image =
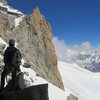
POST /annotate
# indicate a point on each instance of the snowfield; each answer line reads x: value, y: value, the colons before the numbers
x: 83, y: 83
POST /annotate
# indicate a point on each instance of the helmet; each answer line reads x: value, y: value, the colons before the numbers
x: 12, y: 42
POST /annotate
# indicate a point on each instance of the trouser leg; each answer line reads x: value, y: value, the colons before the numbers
x: 14, y: 79
x: 3, y: 75
x: 18, y: 68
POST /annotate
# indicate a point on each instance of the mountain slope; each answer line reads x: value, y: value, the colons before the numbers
x: 83, y: 83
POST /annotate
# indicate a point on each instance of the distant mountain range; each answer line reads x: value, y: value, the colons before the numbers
x: 90, y: 61
x: 84, y: 55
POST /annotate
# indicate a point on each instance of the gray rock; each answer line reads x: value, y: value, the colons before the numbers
x: 39, y: 92
x: 20, y: 83
x: 2, y: 46
x: 27, y: 65
x: 72, y: 97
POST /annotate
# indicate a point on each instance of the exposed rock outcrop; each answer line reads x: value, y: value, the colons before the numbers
x: 2, y: 46
x: 39, y: 92
x: 34, y: 39
x: 23, y: 91
x: 20, y: 83
x: 4, y: 25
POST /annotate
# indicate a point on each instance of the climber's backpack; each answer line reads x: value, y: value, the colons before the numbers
x: 12, y: 56
x: 16, y: 57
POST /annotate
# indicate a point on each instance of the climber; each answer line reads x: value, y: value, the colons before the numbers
x: 12, y: 61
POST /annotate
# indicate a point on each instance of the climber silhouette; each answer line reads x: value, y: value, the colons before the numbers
x: 12, y: 61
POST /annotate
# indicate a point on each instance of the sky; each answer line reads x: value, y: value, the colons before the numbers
x: 74, y: 21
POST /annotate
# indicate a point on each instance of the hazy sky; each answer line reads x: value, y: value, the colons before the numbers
x: 74, y: 21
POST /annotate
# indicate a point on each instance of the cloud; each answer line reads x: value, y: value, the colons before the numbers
x: 66, y: 52
x: 60, y: 48
x: 86, y: 45
x: 98, y: 46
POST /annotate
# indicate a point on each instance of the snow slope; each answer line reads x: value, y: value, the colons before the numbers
x: 54, y: 92
x: 85, y: 84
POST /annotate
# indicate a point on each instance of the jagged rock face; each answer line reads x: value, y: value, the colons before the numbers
x: 34, y: 39
x: 2, y: 46
x: 4, y: 25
